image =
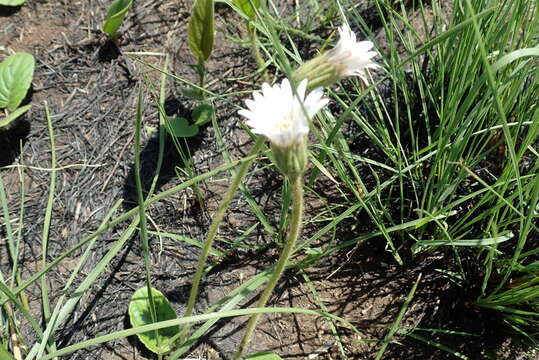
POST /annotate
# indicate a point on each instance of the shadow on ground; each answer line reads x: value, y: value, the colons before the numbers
x: 12, y: 139
x: 171, y: 157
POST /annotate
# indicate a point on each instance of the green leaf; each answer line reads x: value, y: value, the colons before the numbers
x: 4, y: 354
x: 15, y: 114
x: 263, y: 356
x: 192, y: 94
x: 202, y: 114
x: 180, y: 127
x: 115, y: 15
x: 420, y: 245
x: 11, y: 2
x: 15, y: 79
x: 246, y: 6
x: 201, y: 29
x: 157, y: 341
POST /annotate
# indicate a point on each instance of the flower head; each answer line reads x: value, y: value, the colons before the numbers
x: 348, y: 58
x: 282, y: 116
x: 351, y: 56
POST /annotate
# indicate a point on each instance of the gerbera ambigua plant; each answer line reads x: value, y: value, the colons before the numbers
x: 282, y: 116
x: 283, y: 119
x: 348, y: 58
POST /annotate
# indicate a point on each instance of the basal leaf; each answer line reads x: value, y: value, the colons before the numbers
x: 180, y: 127
x: 115, y: 15
x: 264, y: 356
x: 11, y: 2
x: 192, y: 94
x: 157, y: 341
x: 15, y: 78
x: 12, y: 116
x: 201, y: 29
x: 202, y: 114
x: 4, y: 354
x: 246, y: 6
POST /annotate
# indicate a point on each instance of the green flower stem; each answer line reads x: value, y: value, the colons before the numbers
x: 295, y: 229
x: 142, y: 211
x: 214, y: 227
x: 256, y: 52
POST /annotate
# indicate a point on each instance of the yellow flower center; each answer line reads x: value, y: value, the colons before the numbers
x: 285, y: 123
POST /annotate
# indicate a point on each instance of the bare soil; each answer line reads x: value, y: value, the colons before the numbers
x: 91, y: 89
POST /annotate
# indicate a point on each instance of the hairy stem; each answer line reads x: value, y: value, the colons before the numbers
x: 295, y: 229
x: 214, y: 227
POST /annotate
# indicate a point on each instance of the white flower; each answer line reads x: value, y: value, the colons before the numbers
x: 351, y: 56
x: 282, y: 116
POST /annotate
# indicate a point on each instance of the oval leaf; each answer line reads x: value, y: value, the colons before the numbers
x: 115, y: 15
x: 264, y: 356
x: 157, y: 341
x: 15, y: 79
x: 247, y: 7
x: 179, y: 127
x: 11, y: 2
x: 202, y: 114
x: 201, y: 29
x: 192, y: 94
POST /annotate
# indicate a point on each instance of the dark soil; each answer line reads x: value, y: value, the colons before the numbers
x: 91, y: 89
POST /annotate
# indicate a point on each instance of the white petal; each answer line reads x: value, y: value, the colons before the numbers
x: 266, y: 89
x: 323, y: 102
x: 302, y: 87
x: 285, y: 87
x: 246, y: 113
x: 257, y: 96
x: 251, y: 104
x: 350, y: 55
x: 365, y: 45
x: 278, y: 114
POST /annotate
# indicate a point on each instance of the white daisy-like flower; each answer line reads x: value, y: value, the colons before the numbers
x: 351, y: 56
x: 280, y: 115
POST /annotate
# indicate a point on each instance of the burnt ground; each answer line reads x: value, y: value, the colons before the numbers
x: 91, y: 91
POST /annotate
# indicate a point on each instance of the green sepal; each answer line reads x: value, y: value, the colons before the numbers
x: 291, y: 160
x: 319, y: 72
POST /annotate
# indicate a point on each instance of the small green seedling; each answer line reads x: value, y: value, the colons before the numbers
x: 16, y: 74
x: 115, y: 17
x: 201, y: 33
x: 181, y: 127
x: 12, y: 2
x: 140, y: 314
